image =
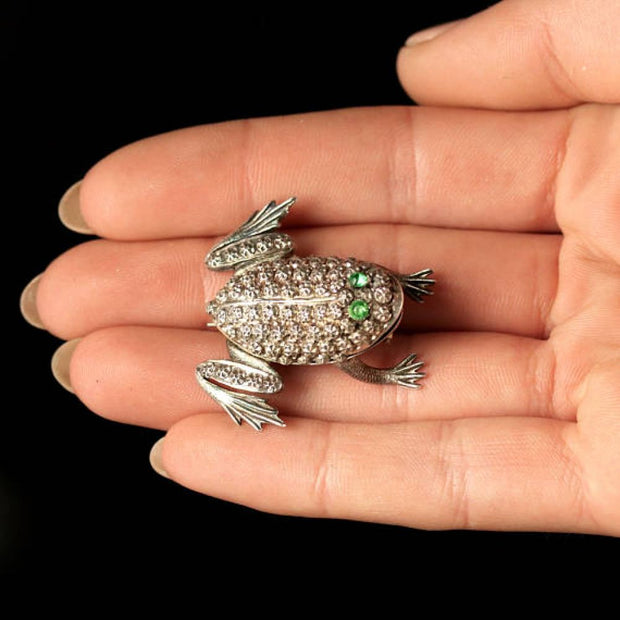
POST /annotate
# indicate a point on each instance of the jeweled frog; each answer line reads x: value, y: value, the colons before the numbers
x: 287, y: 309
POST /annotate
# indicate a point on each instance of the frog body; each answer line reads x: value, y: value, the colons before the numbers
x: 291, y: 310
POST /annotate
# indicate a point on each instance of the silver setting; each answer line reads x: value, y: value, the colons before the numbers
x: 291, y: 310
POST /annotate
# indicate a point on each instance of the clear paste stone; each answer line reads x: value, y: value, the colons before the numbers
x: 298, y: 310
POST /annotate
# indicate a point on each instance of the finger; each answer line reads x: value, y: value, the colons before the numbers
x: 597, y: 441
x: 519, y: 55
x: 485, y: 281
x: 510, y: 473
x: 145, y: 376
x: 455, y: 168
x: 588, y: 186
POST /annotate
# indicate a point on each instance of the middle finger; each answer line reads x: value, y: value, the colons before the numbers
x: 486, y: 281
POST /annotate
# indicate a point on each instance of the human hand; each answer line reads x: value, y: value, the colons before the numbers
x: 518, y: 423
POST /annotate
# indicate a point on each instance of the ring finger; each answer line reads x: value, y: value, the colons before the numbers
x: 145, y: 376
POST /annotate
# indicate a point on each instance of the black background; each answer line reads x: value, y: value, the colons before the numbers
x: 77, y: 494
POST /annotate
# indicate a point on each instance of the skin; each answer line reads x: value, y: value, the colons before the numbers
x: 505, y: 181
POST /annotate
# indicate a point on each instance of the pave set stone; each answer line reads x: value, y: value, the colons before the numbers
x: 250, y: 249
x: 236, y: 375
x: 298, y: 310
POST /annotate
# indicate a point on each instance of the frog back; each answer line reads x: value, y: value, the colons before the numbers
x: 311, y: 310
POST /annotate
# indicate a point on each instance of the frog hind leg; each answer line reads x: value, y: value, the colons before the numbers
x: 406, y: 372
x: 242, y: 372
x: 255, y: 240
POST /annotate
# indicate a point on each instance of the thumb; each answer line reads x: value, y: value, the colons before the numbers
x: 518, y: 54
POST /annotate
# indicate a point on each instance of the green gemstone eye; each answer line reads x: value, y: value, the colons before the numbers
x: 358, y: 279
x: 358, y: 310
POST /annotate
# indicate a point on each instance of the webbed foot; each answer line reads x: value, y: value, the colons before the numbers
x: 417, y: 284
x: 406, y: 372
x: 253, y: 410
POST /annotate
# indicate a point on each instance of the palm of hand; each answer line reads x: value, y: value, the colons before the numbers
x: 583, y: 345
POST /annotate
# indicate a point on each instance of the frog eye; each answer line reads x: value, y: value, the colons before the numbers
x: 358, y: 310
x: 358, y: 279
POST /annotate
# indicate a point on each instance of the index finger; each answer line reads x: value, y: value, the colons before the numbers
x: 437, y: 167
x: 518, y: 55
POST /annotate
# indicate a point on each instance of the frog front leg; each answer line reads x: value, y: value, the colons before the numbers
x: 418, y: 284
x: 405, y: 373
x: 242, y: 372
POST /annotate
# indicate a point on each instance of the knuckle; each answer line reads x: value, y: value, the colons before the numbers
x: 453, y: 474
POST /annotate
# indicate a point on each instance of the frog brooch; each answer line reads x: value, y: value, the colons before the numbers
x: 292, y: 310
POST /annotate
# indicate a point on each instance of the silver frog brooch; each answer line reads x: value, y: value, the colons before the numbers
x: 291, y: 310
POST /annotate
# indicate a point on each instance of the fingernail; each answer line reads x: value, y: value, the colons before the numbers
x: 28, y: 303
x: 430, y: 33
x: 156, y: 460
x: 61, y: 362
x: 70, y: 213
